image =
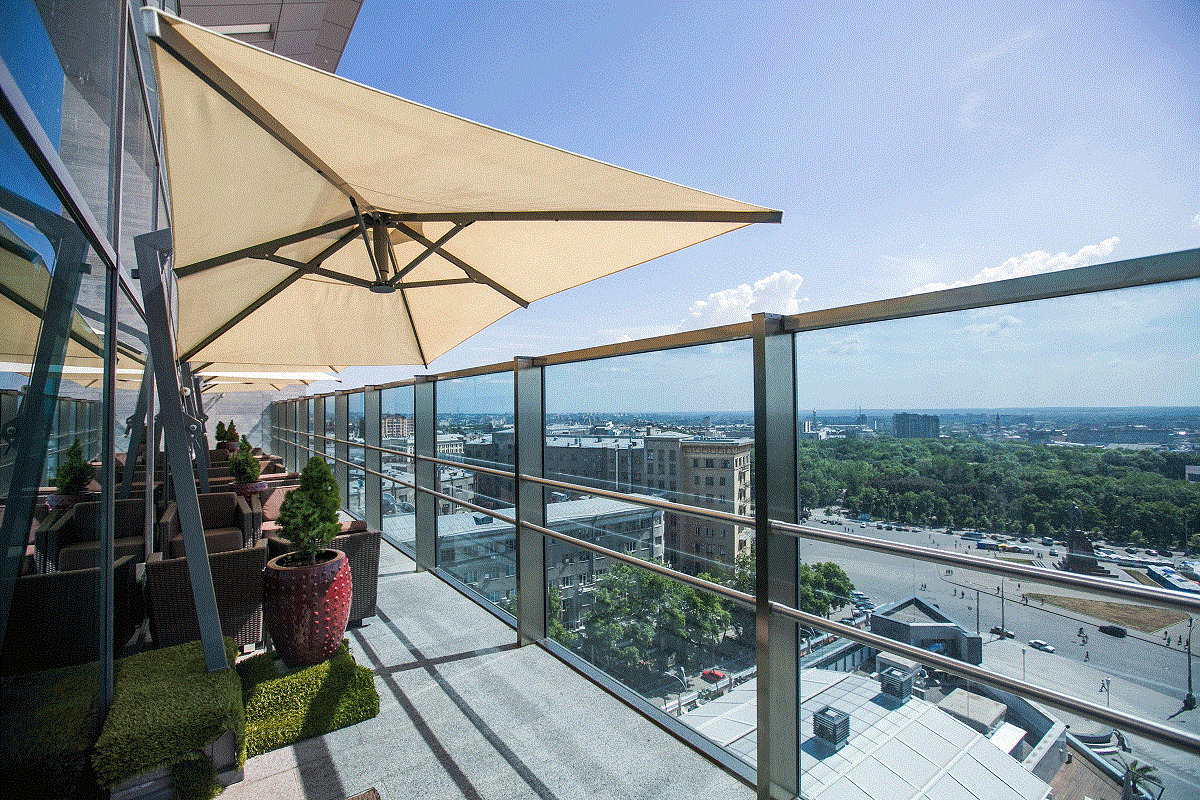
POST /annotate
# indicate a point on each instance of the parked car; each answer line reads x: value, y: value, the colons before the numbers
x: 1003, y: 633
x: 1053, y: 552
x: 1113, y: 630
x: 1040, y: 644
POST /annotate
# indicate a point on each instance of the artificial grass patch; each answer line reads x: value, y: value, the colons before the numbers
x: 166, y: 707
x: 49, y: 721
x: 305, y: 702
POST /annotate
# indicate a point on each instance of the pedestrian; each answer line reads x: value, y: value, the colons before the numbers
x: 1086, y: 656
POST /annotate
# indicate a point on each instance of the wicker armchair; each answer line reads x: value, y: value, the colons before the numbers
x: 227, y: 522
x: 53, y: 620
x: 237, y: 577
x: 72, y: 537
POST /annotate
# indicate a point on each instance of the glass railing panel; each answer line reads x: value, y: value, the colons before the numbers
x: 1054, y: 434
x: 475, y: 426
x: 398, y: 500
x: 357, y: 430
x: 674, y: 425
x: 330, y: 429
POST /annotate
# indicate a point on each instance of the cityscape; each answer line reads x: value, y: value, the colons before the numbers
x: 1117, y: 489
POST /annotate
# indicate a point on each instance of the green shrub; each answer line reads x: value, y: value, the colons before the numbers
x: 74, y: 474
x: 244, y: 465
x: 231, y: 434
x: 308, y: 515
x: 220, y: 433
x: 306, y: 702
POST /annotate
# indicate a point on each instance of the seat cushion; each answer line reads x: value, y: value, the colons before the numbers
x: 217, y: 540
x: 85, y: 555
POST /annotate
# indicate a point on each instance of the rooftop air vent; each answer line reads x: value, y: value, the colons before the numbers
x: 896, y: 682
x: 481, y: 519
x: 832, y: 726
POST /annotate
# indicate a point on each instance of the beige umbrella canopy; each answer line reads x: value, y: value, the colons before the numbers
x: 319, y: 221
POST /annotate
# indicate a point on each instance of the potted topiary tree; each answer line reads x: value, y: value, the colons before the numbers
x: 245, y: 469
x: 231, y: 437
x: 306, y: 592
x: 72, y: 479
x: 219, y: 436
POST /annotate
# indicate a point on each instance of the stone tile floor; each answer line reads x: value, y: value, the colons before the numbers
x: 465, y: 713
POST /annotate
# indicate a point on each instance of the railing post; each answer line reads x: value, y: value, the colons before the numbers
x: 372, y: 458
x: 529, y: 403
x: 291, y: 452
x: 319, y: 443
x: 341, y: 450
x: 425, y: 472
x: 776, y: 562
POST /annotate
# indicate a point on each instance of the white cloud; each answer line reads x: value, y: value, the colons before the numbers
x: 1005, y: 325
x: 849, y: 346
x: 774, y: 294
x: 1031, y: 264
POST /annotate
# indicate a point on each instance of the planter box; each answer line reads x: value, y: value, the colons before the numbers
x: 156, y: 784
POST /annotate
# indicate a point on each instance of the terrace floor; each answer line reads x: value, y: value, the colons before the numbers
x: 465, y: 713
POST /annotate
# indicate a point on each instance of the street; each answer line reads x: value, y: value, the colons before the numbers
x: 1149, y: 678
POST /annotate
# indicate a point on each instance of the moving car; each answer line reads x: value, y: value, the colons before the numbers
x: 1113, y: 630
x: 1003, y: 633
x: 1039, y: 644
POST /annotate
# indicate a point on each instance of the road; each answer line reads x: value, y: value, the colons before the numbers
x: 1150, y: 675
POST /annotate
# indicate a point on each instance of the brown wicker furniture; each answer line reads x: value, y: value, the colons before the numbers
x: 72, y: 537
x: 53, y: 620
x: 227, y: 522
x: 237, y: 582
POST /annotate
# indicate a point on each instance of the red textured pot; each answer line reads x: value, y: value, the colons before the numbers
x: 306, y: 608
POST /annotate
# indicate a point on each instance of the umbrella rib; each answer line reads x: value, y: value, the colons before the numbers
x: 362, y: 226
x: 471, y: 272
x: 435, y: 247
x: 404, y: 299
x: 257, y: 249
x: 596, y: 215
x: 241, y: 315
x: 311, y: 268
x: 441, y: 282
x: 203, y: 67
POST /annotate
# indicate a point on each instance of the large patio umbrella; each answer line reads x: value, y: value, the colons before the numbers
x: 318, y: 221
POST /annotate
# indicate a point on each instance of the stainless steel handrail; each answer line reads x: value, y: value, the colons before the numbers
x: 1143, y: 727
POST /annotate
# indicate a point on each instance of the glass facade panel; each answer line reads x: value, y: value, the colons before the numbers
x: 474, y: 426
x: 675, y: 425
x: 1052, y: 434
x: 398, y: 504
x: 357, y: 430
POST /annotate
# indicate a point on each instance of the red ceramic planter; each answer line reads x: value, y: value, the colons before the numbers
x: 306, y: 607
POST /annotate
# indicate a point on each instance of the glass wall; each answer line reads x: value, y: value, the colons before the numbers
x: 674, y: 425
x: 398, y: 499
x: 1050, y: 434
x: 475, y: 427
x: 357, y: 432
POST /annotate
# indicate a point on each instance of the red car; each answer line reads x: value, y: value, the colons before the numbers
x: 712, y: 675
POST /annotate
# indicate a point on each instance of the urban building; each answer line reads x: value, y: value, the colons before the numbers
x: 915, y: 426
x: 917, y: 623
x: 396, y: 426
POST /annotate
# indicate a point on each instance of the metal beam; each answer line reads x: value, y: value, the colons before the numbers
x: 595, y: 215
x: 529, y: 402
x: 149, y: 248
x: 776, y: 559
x: 425, y: 472
x: 467, y: 269
x: 202, y: 67
x: 259, y: 250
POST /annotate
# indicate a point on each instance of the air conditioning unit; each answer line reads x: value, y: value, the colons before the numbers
x: 896, y: 682
x: 832, y: 726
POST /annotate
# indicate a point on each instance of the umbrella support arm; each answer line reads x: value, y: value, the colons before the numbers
x: 150, y: 249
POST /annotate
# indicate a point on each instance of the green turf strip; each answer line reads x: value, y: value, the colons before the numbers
x: 305, y: 702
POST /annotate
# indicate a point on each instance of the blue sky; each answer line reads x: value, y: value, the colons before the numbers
x: 909, y: 147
